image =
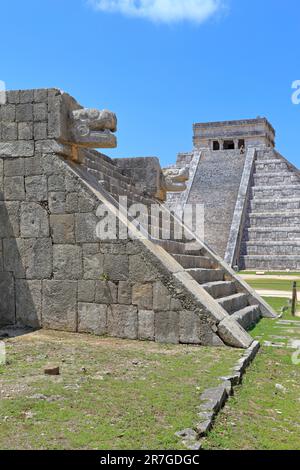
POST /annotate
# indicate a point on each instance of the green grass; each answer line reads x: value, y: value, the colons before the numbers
x: 261, y: 416
x: 272, y: 284
x: 132, y: 395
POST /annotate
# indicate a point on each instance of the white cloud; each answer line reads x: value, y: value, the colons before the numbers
x: 162, y: 10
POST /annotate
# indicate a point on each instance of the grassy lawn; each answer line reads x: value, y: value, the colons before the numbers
x: 265, y: 412
x: 111, y: 394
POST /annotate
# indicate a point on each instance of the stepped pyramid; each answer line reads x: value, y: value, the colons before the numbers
x: 271, y: 237
x: 249, y: 191
x: 57, y: 272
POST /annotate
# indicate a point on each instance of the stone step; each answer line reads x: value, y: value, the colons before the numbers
x: 119, y: 189
x: 220, y: 289
x: 272, y: 165
x: 204, y: 276
x: 270, y: 263
x: 275, y: 178
x: 107, y: 169
x: 180, y: 248
x: 271, y: 248
x: 269, y: 219
x: 103, y: 163
x: 282, y: 233
x: 234, y: 302
x: 190, y: 261
x: 263, y: 155
x: 274, y: 205
x: 277, y: 192
x: 248, y: 316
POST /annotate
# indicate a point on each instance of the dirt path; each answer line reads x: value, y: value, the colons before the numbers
x: 254, y: 277
x: 274, y: 293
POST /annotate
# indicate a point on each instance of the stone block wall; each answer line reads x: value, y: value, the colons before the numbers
x: 54, y: 272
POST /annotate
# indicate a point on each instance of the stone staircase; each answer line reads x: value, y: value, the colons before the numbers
x: 271, y: 238
x: 217, y: 282
x: 111, y: 178
x: 211, y: 273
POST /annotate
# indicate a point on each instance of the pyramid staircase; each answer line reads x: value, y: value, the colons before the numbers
x: 271, y: 239
x: 218, y: 282
x: 215, y: 285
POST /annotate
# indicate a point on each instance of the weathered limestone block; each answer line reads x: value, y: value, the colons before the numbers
x: 26, y: 96
x: 36, y: 188
x: 29, y: 303
x: 146, y: 172
x: 71, y: 205
x: 139, y: 270
x: 106, y: 292
x: 25, y: 130
x: 1, y: 179
x: 18, y: 148
x: 14, y: 255
x: 34, y: 221
x: 189, y: 328
x: 32, y: 166
x: 57, y: 202
x: 9, y: 131
x: 85, y: 228
x: 62, y: 228
x: 86, y: 291
x: 28, y: 258
x: 86, y: 203
x: 124, y: 293
x: 93, y: 266
x: 116, y: 267
x: 7, y: 299
x: 7, y: 113
x: 24, y: 112
x: 14, y: 167
x: 167, y: 327
x: 67, y: 262
x: 142, y: 296
x: 146, y: 327
x: 14, y: 189
x: 90, y: 248
x: 92, y: 318
x: 122, y: 321
x: 56, y: 182
x: 1, y: 255
x: 59, y: 305
x: 233, y: 334
x: 40, y: 95
x: 161, y: 297
x: 9, y: 219
x: 40, y: 111
x: 39, y: 261
x: 40, y: 130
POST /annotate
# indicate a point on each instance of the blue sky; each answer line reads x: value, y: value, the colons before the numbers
x: 158, y: 73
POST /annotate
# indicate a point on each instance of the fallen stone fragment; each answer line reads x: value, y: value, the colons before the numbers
x: 281, y: 388
x: 38, y: 396
x: 214, y: 398
x: 51, y: 370
x: 234, y: 379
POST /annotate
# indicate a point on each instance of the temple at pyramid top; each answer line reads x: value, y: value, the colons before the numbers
x: 234, y: 135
